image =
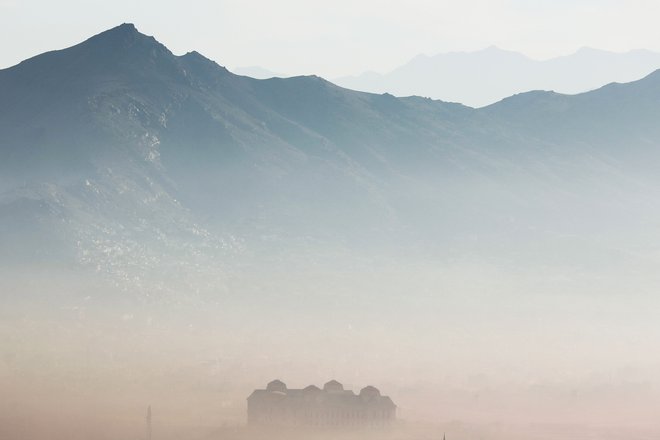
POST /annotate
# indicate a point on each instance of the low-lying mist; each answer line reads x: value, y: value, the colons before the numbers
x: 470, y: 348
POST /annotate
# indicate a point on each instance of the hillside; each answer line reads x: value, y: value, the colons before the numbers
x: 159, y: 170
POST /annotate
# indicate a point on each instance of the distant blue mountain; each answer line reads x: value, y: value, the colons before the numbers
x: 486, y: 76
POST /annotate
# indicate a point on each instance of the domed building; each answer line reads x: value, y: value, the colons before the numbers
x: 332, y: 406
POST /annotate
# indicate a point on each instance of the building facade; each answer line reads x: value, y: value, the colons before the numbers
x: 331, y: 406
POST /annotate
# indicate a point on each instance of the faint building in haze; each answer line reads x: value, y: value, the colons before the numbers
x: 331, y: 406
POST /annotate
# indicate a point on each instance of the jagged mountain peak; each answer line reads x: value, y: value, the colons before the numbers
x: 125, y: 33
x: 195, y: 57
x: 125, y: 39
x: 126, y: 27
x: 120, y: 52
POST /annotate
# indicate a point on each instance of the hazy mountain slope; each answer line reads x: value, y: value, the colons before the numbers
x: 195, y: 118
x: 484, y: 77
x: 81, y: 161
x: 617, y: 121
x: 122, y: 158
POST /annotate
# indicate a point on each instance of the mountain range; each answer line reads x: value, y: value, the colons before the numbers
x: 483, y: 77
x: 168, y: 173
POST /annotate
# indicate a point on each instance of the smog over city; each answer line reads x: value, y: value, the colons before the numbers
x: 329, y: 220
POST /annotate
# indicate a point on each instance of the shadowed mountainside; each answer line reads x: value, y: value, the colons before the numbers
x: 121, y: 157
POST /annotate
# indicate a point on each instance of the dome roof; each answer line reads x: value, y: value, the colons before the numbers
x: 276, y: 385
x: 369, y: 392
x: 333, y: 385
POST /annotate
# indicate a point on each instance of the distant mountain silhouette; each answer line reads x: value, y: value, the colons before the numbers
x: 119, y: 157
x: 486, y: 76
x: 257, y: 72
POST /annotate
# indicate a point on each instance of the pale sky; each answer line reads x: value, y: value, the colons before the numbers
x: 335, y: 37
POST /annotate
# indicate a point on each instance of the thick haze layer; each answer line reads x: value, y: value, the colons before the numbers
x: 176, y: 235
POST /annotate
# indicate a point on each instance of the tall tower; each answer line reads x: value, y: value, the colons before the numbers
x: 149, y: 422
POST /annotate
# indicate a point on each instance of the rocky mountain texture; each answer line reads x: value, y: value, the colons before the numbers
x: 120, y: 157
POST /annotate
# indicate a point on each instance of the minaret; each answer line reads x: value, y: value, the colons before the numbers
x: 149, y: 422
